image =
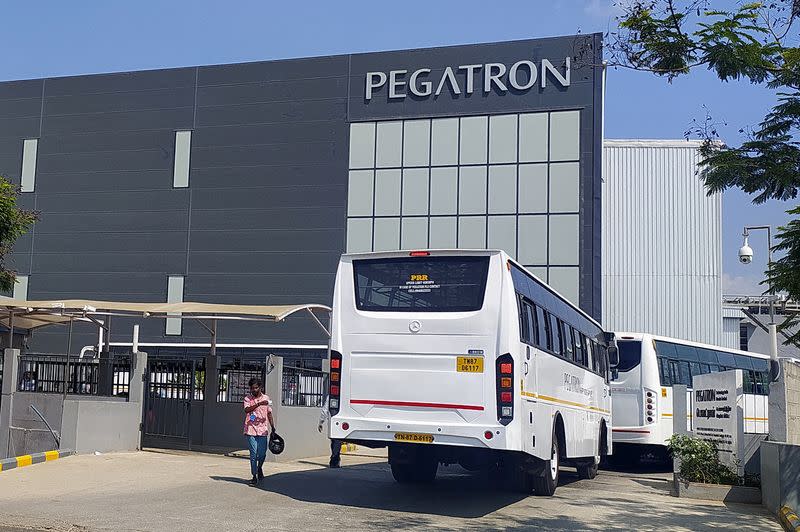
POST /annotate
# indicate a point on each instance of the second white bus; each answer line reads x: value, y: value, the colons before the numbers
x: 464, y: 357
x: 642, y: 388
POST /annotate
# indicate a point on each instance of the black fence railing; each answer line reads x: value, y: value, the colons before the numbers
x: 54, y: 373
x: 235, y: 374
x: 303, y: 387
x: 177, y: 378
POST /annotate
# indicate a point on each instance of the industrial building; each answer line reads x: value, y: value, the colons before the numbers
x: 244, y: 183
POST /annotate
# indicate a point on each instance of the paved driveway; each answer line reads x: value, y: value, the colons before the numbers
x: 159, y: 491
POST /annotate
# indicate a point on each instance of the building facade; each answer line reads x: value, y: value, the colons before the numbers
x: 662, y: 242
x: 244, y: 183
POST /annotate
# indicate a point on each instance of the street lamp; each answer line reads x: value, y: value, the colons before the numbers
x: 746, y: 257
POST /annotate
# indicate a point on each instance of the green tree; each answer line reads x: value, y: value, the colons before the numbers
x: 753, y: 42
x: 14, y: 222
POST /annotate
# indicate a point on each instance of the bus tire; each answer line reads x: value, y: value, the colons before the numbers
x: 545, y: 484
x: 587, y: 469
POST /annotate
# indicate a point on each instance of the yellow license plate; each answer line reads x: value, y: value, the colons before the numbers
x: 469, y: 364
x: 411, y: 437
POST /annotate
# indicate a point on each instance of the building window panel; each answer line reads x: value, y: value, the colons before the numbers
x: 30, y: 147
x: 415, y: 191
x: 362, y: 145
x: 565, y: 136
x: 21, y: 288
x: 538, y: 271
x: 389, y: 145
x: 532, y: 240
x: 566, y: 282
x: 416, y: 142
x: 414, y: 233
x: 387, y: 234
x: 503, y: 139
x: 444, y: 190
x: 387, y: 192
x: 359, y: 235
x: 444, y: 142
x: 472, y: 232
x: 563, y: 240
x: 443, y: 233
x: 532, y: 188
x: 472, y: 190
x: 502, y: 189
x: 183, y: 149
x: 174, y: 295
x: 473, y: 140
x: 503, y: 234
x: 533, y: 138
x: 360, y: 192
x: 564, y: 187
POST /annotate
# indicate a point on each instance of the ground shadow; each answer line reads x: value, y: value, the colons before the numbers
x: 455, y: 493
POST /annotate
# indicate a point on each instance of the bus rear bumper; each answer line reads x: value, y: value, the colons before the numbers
x: 386, y: 432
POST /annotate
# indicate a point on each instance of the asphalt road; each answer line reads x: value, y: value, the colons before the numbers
x: 159, y: 491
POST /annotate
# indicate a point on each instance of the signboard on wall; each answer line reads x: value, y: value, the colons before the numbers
x: 718, y: 415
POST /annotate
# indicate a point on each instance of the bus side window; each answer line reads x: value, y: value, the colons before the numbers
x: 666, y: 375
x: 534, y: 323
x: 557, y: 343
x: 566, y: 340
x: 541, y: 324
x: 524, y: 322
x: 595, y: 348
x: 548, y: 327
x: 587, y: 351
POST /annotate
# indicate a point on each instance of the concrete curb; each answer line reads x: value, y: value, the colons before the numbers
x: 29, y: 459
x: 789, y: 519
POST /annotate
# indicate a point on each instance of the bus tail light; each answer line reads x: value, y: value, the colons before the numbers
x: 334, y: 390
x: 420, y: 254
x: 650, y: 410
x: 505, y: 389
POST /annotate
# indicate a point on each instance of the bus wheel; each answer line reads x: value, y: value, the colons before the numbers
x: 545, y: 484
x: 588, y: 468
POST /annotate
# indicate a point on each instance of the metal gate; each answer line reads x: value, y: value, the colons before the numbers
x: 171, y: 386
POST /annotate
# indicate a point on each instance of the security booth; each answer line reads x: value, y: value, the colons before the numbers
x: 187, y: 396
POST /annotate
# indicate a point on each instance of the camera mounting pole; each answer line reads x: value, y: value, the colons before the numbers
x: 773, y: 329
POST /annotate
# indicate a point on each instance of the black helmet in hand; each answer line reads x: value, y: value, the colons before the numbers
x: 276, y: 444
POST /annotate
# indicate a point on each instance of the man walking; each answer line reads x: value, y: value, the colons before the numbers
x: 258, y: 424
x: 336, y: 445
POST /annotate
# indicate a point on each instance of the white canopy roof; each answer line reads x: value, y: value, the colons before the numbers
x: 33, y: 314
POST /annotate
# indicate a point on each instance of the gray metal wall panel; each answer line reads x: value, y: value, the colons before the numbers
x: 263, y: 218
x: 662, y: 254
x: 730, y: 333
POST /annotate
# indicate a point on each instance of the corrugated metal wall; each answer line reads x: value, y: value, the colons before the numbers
x: 731, y: 321
x: 662, y: 258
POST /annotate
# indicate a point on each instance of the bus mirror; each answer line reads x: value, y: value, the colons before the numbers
x: 613, y: 356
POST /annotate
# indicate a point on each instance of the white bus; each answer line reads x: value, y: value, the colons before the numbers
x: 642, y: 388
x: 465, y: 357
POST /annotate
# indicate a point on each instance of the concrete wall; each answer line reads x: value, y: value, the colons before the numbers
x: 27, y: 433
x: 784, y: 404
x: 103, y: 424
x: 780, y: 474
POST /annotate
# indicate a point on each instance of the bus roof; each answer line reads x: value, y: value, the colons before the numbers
x: 622, y: 336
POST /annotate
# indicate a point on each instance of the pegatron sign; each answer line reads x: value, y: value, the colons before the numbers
x: 488, y: 77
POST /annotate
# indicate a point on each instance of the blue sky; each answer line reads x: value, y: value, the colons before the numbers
x: 55, y: 38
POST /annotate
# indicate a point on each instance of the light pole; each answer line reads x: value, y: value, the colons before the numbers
x: 746, y: 257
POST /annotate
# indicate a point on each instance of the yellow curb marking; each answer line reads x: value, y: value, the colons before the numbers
x: 25, y: 460
x: 50, y: 455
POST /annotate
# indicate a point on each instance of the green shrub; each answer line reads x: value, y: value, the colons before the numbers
x: 699, y: 461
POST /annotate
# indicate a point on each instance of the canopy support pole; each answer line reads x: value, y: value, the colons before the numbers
x: 321, y: 326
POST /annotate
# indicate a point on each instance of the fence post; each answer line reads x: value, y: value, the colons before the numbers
x: 105, y: 375
x: 274, y: 384
x: 138, y: 371
x: 10, y: 382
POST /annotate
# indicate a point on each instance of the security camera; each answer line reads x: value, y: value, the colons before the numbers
x: 745, y: 254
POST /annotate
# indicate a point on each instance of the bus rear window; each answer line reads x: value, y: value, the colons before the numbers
x: 630, y: 355
x: 429, y: 284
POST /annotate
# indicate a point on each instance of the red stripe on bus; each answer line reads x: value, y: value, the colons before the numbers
x: 628, y: 430
x: 410, y: 403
